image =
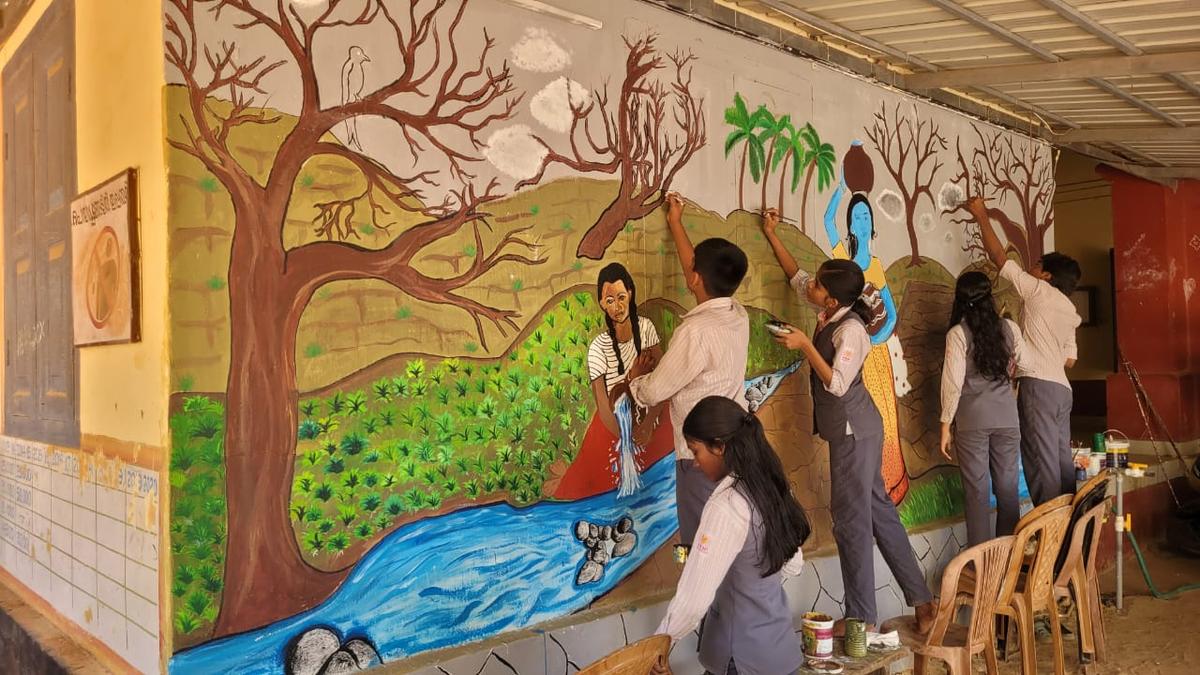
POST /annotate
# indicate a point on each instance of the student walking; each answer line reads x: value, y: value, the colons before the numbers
x: 982, y: 352
x: 1048, y: 321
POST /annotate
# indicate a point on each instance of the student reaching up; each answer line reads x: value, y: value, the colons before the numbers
x: 1048, y: 321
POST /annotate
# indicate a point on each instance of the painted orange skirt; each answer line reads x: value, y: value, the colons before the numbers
x: 594, y: 470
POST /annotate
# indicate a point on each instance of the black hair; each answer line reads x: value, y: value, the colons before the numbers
x: 721, y: 266
x: 756, y: 468
x: 612, y: 273
x: 975, y: 307
x: 1063, y: 270
x: 844, y: 281
x: 852, y: 239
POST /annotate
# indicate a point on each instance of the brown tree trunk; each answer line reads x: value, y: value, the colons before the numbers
x: 766, y: 172
x: 804, y: 199
x: 610, y: 223
x: 266, y: 577
x: 742, y: 178
x: 782, y: 176
x: 910, y: 208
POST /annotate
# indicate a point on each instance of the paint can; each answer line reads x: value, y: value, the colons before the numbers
x: 817, y: 630
x: 1095, y: 464
x: 1120, y: 450
x: 856, y: 638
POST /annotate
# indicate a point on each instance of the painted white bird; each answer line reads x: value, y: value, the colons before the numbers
x: 353, y: 82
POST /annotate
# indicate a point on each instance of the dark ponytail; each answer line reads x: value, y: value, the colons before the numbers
x: 611, y: 273
x: 844, y: 281
x: 756, y: 468
x: 975, y: 307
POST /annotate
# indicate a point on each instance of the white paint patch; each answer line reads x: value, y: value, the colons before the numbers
x: 899, y: 366
x: 552, y: 105
x: 1195, y: 242
x: 1144, y: 268
x: 537, y: 51
x: 514, y: 151
x: 925, y: 223
x: 950, y: 197
x: 1189, y: 287
x: 1173, y: 268
x: 890, y: 204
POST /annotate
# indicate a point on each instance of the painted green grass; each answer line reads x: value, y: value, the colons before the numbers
x: 932, y: 499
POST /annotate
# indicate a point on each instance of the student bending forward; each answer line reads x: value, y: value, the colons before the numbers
x: 749, y: 538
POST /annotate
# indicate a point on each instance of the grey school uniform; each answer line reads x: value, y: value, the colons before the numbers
x: 863, y: 514
x: 987, y: 433
x: 750, y: 623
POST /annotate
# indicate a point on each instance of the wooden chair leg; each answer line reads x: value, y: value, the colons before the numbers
x: 1057, y: 639
x: 960, y: 664
x: 1081, y: 598
x: 993, y: 663
x: 1027, y: 638
x: 920, y: 664
x: 1101, y: 645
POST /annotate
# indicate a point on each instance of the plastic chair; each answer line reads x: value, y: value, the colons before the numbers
x: 1043, y: 508
x: 638, y: 658
x: 1027, y: 585
x: 951, y: 642
x: 1078, y: 580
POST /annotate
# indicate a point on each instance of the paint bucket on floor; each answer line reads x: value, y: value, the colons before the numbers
x: 817, y: 630
x: 856, y: 638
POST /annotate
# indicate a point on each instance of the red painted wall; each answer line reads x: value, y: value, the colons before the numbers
x: 1156, y: 235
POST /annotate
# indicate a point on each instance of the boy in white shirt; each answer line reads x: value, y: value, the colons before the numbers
x: 706, y: 357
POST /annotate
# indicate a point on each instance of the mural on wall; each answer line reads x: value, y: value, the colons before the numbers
x: 415, y: 248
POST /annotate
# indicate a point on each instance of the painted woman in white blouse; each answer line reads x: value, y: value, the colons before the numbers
x: 748, y: 541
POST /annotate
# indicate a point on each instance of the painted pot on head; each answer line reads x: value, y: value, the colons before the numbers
x: 857, y: 169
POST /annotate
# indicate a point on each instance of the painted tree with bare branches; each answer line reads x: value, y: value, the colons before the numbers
x: 635, y: 141
x: 908, y: 145
x: 1003, y: 173
x: 439, y: 102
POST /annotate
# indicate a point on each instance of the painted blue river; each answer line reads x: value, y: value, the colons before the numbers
x: 460, y: 577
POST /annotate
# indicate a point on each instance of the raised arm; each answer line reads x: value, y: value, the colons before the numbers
x: 991, y: 243
x: 683, y: 245
x: 835, y: 201
x: 770, y: 222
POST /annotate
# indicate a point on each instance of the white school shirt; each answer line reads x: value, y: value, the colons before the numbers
x: 706, y: 357
x: 954, y: 366
x: 602, y: 360
x: 1048, y: 321
x: 724, y: 526
x: 850, y: 340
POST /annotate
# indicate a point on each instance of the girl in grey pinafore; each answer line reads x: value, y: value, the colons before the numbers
x: 863, y: 513
x: 749, y: 538
x: 982, y: 350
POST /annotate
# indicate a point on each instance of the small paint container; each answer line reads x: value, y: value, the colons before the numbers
x: 1119, y: 449
x: 1095, y: 464
x: 817, y: 631
x: 856, y: 638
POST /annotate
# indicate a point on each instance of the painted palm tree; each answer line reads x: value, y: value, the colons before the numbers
x: 744, y: 125
x: 770, y: 131
x: 789, y: 151
x: 819, y: 157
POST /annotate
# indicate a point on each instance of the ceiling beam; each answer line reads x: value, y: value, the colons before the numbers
x: 1130, y: 134
x: 1074, y: 69
x: 1087, y: 23
x: 983, y: 23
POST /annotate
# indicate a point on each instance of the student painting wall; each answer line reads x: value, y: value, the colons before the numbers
x: 386, y: 225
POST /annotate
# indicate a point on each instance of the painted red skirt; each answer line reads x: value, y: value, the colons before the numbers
x: 594, y: 470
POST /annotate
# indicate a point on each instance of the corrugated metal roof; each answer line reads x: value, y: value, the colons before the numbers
x: 916, y: 36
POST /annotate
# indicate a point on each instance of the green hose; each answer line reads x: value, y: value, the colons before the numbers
x: 1137, y: 551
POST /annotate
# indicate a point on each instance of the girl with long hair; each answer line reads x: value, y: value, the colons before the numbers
x: 982, y: 351
x: 599, y: 467
x: 846, y: 417
x: 749, y: 538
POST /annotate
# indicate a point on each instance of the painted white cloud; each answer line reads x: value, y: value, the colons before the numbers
x: 514, y: 151
x: 950, y: 196
x: 552, y: 105
x: 925, y: 222
x: 890, y: 204
x: 538, y: 52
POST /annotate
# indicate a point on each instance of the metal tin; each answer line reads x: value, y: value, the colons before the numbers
x: 856, y: 638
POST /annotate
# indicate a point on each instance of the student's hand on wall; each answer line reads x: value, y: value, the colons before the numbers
x: 674, y: 207
x: 946, y: 441
x: 976, y: 206
x: 770, y: 221
x: 797, y: 339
